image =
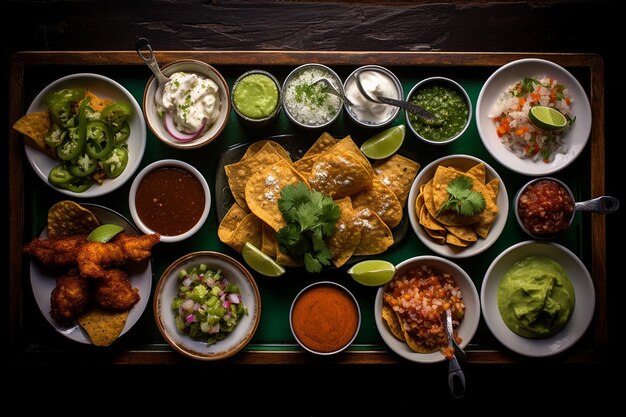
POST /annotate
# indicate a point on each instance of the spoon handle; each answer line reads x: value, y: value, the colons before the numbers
x: 604, y: 204
x: 456, y: 378
x: 424, y: 115
x: 143, y: 48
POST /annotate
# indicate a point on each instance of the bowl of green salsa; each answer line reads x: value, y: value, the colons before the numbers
x: 447, y: 100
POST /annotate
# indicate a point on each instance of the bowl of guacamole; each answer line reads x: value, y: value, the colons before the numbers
x: 537, y: 298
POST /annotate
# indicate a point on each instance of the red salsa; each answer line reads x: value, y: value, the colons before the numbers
x: 170, y: 200
x: 545, y: 207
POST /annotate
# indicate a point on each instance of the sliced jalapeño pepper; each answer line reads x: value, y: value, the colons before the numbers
x: 61, y: 112
x: 115, y: 163
x: 67, y: 94
x: 59, y: 175
x: 116, y: 114
x: 55, y: 136
x: 73, y: 145
x: 122, y: 134
x: 100, y: 139
x: 84, y: 165
x: 79, y: 186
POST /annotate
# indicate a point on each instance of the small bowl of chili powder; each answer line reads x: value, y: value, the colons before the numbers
x: 170, y: 197
x: 325, y: 318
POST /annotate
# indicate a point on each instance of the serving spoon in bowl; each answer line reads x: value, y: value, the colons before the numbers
x: 456, y: 377
x: 330, y: 89
x: 420, y: 112
x: 143, y: 48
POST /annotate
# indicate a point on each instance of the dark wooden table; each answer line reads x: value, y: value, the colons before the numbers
x: 448, y: 26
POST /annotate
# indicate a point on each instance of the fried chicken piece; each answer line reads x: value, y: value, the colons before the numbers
x: 115, y: 292
x: 70, y: 298
x: 57, y: 251
x: 136, y: 248
x: 94, y: 257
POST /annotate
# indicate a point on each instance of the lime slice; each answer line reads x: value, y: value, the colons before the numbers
x: 372, y: 272
x: 547, y: 118
x: 384, y: 144
x: 104, y: 233
x: 260, y: 262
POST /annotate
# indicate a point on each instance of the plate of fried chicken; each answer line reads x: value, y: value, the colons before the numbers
x: 71, y: 275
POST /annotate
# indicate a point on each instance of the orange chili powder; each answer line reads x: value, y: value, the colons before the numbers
x: 325, y: 318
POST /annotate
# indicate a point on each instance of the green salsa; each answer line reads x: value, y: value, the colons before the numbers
x: 256, y: 96
x: 535, y: 297
x: 445, y: 103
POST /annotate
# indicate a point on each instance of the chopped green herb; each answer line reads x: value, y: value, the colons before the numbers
x: 462, y: 200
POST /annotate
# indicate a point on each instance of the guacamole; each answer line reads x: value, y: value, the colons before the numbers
x: 535, y: 297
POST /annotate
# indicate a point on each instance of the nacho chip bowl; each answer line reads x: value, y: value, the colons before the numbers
x: 103, y: 87
x: 462, y: 163
x: 468, y: 325
x: 167, y: 289
x: 156, y: 123
x: 169, y: 163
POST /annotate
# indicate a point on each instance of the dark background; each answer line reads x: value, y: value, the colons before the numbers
x: 539, y: 26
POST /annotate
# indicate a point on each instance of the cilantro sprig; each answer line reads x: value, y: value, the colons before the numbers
x: 462, y: 199
x: 311, y: 217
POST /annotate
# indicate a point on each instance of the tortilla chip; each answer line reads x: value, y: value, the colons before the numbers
x: 348, y: 235
x: 248, y: 230
x: 268, y: 240
x: 240, y: 172
x: 322, y: 144
x: 465, y: 233
x: 262, y: 191
x: 478, y: 172
x: 382, y: 200
x: 347, y: 146
x: 392, y: 322
x: 229, y: 223
x: 456, y: 241
x: 339, y: 175
x: 255, y: 147
x: 438, y: 236
x: 398, y: 174
x: 96, y: 103
x: 375, y: 235
x: 415, y: 343
x: 429, y: 222
x: 103, y: 327
x: 35, y: 126
x: 283, y: 259
x: 304, y: 165
x: 67, y: 218
x: 436, y: 194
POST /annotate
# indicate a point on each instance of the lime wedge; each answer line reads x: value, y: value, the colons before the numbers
x: 547, y: 118
x: 372, y: 272
x: 384, y: 144
x: 104, y: 233
x: 260, y: 262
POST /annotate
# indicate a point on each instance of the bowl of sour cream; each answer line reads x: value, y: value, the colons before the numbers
x: 192, y: 109
x: 378, y: 81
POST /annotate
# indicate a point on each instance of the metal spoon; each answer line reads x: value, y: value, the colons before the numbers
x: 330, y: 88
x: 143, y: 48
x: 456, y: 377
x: 423, y: 114
x: 449, y: 330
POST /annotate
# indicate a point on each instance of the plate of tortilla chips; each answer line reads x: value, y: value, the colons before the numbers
x: 372, y: 198
x: 103, y: 91
x: 458, y: 206
x: 400, y: 331
x: 97, y: 326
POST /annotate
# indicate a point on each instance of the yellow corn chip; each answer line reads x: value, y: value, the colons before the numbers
x: 103, y: 327
x: 348, y: 233
x: 375, y: 235
x: 382, y: 200
x: 67, y: 218
x: 339, y: 175
x: 398, y: 174
x: 35, y: 126
x: 229, y: 223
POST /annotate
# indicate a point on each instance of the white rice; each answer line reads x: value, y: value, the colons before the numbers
x: 314, y: 107
x: 523, y: 138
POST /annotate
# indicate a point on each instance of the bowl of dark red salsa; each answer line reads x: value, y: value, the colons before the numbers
x: 170, y: 197
x: 545, y: 207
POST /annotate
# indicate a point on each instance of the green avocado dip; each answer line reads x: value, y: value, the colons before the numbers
x: 256, y: 96
x: 445, y: 103
x: 535, y: 297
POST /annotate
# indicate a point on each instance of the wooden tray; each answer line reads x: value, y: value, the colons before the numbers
x: 33, y: 341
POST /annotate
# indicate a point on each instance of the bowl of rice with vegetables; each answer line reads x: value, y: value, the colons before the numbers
x: 533, y: 116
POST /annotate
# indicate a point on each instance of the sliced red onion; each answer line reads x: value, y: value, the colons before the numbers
x: 226, y: 304
x: 178, y: 135
x: 187, y: 282
x: 234, y: 298
x: 188, y: 305
x: 190, y: 318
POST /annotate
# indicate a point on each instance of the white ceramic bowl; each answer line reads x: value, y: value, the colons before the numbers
x: 578, y: 322
x: 452, y: 85
x: 175, y: 164
x: 167, y: 289
x: 462, y: 162
x: 466, y: 329
x: 293, y: 76
x: 155, y: 122
x: 576, y: 138
x: 390, y: 112
x: 103, y: 87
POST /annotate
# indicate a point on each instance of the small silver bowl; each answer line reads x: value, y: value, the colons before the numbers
x: 564, y: 218
x: 301, y: 110
x: 236, y: 96
x: 365, y: 112
x: 414, y: 125
x: 307, y: 316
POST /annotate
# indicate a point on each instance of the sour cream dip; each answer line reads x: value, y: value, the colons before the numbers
x: 190, y: 98
x: 376, y: 82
